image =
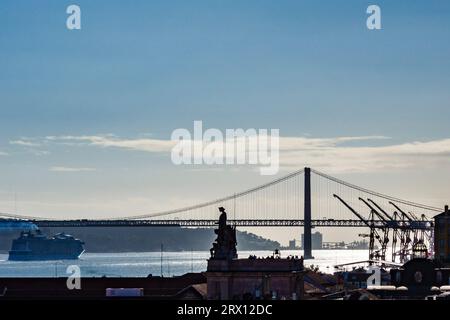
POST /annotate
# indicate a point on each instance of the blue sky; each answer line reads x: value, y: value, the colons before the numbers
x: 142, y: 69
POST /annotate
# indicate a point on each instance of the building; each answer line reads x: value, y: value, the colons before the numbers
x: 442, y: 236
x: 228, y: 277
x: 357, y: 278
x: 293, y: 244
x: 188, y: 286
x: 421, y: 277
x: 316, y: 240
x: 255, y: 278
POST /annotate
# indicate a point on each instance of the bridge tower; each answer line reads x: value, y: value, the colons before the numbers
x: 307, y: 247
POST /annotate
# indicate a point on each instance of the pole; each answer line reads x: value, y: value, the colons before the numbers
x: 192, y: 262
x: 168, y: 267
x: 234, y: 207
x: 161, y: 259
x: 307, y: 247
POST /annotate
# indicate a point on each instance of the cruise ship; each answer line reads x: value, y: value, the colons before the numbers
x: 33, y: 245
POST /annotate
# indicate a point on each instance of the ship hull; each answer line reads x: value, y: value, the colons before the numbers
x: 26, y: 256
x: 35, y: 246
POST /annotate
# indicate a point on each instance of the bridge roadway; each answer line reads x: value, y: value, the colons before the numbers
x: 210, y: 223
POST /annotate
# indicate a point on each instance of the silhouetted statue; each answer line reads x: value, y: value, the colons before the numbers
x: 225, y: 245
x: 222, y: 218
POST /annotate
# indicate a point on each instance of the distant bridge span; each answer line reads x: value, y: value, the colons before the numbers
x: 198, y: 223
x: 211, y: 223
x: 305, y: 198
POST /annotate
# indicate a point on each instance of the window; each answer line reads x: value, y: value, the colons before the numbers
x: 439, y: 277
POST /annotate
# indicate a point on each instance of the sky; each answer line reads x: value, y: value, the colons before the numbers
x: 86, y: 115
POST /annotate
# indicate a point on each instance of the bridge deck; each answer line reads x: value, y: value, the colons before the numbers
x: 210, y: 223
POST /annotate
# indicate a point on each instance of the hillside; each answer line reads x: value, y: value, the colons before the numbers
x: 138, y: 239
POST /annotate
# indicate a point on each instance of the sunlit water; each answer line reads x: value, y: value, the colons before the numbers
x: 141, y: 264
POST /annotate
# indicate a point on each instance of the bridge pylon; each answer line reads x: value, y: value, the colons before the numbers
x: 307, y: 246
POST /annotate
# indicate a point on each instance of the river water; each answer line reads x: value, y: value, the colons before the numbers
x: 141, y: 264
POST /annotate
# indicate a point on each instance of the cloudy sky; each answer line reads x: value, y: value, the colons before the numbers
x: 86, y: 115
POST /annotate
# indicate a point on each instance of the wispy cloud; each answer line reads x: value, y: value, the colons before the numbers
x: 37, y: 152
x: 336, y: 154
x: 25, y: 143
x: 70, y: 169
x: 337, y: 158
x: 160, y: 145
x: 111, y: 141
x: 31, y: 145
x: 297, y: 143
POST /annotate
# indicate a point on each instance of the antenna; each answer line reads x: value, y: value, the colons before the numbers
x: 168, y: 267
x: 162, y: 248
x: 234, y: 208
x: 192, y: 262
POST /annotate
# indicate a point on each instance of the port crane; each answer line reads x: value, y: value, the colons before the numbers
x: 396, y: 231
x: 373, y: 254
x: 385, y: 228
x: 402, y: 225
x: 410, y: 217
x: 420, y: 235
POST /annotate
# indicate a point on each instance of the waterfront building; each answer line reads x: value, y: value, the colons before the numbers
x: 255, y: 278
x: 316, y: 240
x: 442, y: 237
x: 294, y: 244
x: 357, y: 278
x: 270, y: 277
x: 187, y: 286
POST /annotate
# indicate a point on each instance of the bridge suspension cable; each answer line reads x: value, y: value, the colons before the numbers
x: 219, y: 201
x: 279, y: 199
x: 377, y: 194
x: 21, y: 217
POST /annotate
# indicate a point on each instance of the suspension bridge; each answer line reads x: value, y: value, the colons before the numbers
x: 306, y: 198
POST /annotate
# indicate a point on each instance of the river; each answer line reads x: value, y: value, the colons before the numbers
x: 141, y: 264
